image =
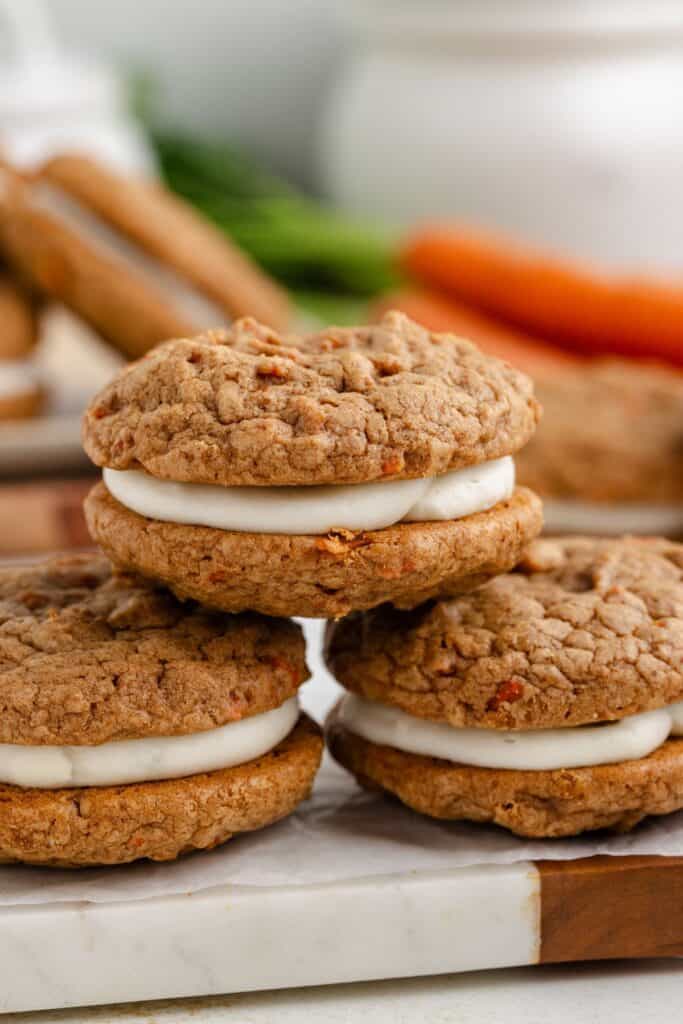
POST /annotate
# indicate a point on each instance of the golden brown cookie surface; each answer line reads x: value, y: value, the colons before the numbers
x: 313, y: 576
x: 133, y: 260
x: 248, y: 407
x: 21, y: 394
x: 174, y: 232
x: 158, y: 820
x: 88, y: 656
x: 583, y: 631
x: 612, y: 431
x: 536, y: 804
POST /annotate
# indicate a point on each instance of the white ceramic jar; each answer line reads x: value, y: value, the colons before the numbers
x: 558, y: 122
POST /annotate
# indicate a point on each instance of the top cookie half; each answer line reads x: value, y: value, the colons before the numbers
x: 245, y: 407
x: 584, y: 630
x: 89, y: 656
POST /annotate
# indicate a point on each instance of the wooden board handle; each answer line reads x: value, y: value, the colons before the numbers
x: 611, y: 907
x: 43, y: 516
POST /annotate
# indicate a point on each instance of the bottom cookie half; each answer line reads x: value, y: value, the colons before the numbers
x: 535, y: 804
x: 158, y: 820
x: 312, y: 576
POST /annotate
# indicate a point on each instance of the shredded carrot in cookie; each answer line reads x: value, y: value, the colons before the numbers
x: 507, y: 693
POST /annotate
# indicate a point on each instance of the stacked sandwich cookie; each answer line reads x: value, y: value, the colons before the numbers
x: 134, y: 726
x: 550, y: 701
x: 313, y: 476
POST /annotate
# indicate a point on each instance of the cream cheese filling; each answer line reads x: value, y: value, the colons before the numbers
x: 191, y: 303
x: 18, y: 377
x: 316, y: 509
x: 527, y: 750
x: 122, y: 762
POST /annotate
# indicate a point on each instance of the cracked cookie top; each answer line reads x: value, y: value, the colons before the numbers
x: 88, y: 656
x: 244, y: 406
x: 583, y: 631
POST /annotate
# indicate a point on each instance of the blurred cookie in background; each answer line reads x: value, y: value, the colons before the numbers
x: 21, y: 390
x: 135, y: 262
x: 608, y: 454
x: 605, y: 351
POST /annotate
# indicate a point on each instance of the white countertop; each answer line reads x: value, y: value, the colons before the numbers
x: 630, y: 993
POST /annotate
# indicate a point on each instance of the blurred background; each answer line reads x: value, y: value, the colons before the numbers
x: 506, y: 169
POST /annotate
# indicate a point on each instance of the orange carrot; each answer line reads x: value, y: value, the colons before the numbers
x: 441, y: 314
x: 563, y: 303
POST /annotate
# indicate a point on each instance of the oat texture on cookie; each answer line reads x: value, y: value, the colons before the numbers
x: 548, y: 701
x: 582, y: 631
x: 136, y: 726
x: 88, y: 656
x: 246, y: 406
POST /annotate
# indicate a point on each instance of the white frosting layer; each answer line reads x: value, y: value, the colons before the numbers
x: 612, y: 519
x: 530, y: 750
x: 192, y: 304
x: 18, y: 377
x: 315, y: 510
x: 147, y: 760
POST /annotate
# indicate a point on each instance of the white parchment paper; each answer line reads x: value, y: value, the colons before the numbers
x: 341, y: 833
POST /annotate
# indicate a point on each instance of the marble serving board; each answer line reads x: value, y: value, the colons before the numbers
x: 238, y: 939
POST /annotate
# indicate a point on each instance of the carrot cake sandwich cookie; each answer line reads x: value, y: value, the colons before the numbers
x: 550, y: 701
x: 133, y: 726
x: 608, y: 456
x: 313, y: 476
x: 21, y: 389
x: 130, y: 258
